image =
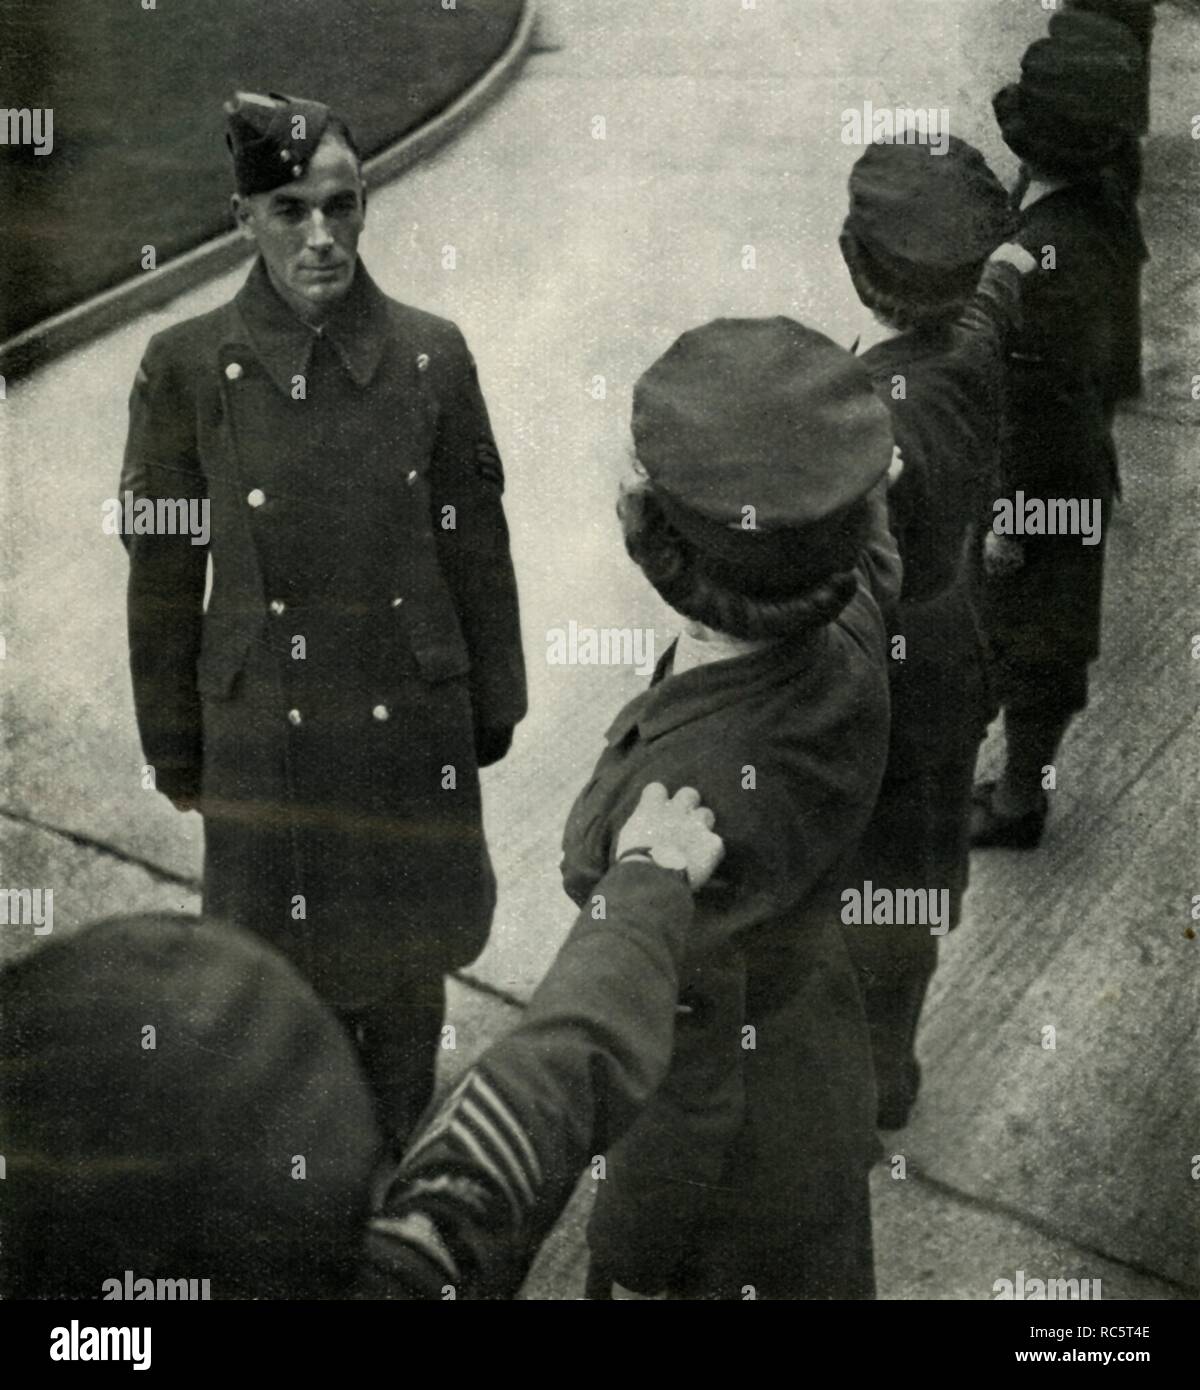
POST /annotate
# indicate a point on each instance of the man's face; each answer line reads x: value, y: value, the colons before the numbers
x: 307, y: 232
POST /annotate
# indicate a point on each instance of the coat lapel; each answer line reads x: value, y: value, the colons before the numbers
x: 357, y: 329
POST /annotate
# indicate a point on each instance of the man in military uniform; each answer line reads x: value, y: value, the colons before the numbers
x: 359, y: 658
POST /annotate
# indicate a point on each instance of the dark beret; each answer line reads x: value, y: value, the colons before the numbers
x: 1095, y: 25
x: 272, y: 138
x: 1079, y: 97
x: 159, y: 1079
x: 759, y: 436
x: 927, y: 221
x: 1136, y: 15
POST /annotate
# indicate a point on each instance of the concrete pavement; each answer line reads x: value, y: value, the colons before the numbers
x: 717, y: 188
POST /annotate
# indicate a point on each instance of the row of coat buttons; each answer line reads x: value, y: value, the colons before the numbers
x: 279, y: 608
x: 256, y: 496
x: 380, y: 712
x: 233, y: 371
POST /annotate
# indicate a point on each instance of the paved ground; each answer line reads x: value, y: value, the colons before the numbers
x: 582, y: 258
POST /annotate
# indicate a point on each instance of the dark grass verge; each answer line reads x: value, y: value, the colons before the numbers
x: 139, y: 156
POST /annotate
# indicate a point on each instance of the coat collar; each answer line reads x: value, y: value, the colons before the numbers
x: 883, y: 359
x: 357, y: 328
x: 671, y: 701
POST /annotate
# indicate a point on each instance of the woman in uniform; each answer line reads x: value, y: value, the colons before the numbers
x: 757, y: 516
x: 1066, y: 120
x: 922, y: 244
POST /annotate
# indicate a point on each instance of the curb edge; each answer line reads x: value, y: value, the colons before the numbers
x: 103, y: 312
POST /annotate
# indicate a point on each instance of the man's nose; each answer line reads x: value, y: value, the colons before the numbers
x: 319, y: 236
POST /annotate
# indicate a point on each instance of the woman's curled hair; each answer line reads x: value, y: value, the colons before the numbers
x: 903, y: 312
x: 676, y: 569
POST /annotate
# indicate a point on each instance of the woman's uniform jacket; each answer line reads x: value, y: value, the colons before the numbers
x: 749, y: 1165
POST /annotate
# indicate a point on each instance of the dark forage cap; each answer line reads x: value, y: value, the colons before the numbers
x: 161, y: 1081
x: 768, y: 415
x: 1136, y: 15
x: 272, y: 138
x: 1096, y: 25
x: 1079, y: 97
x: 925, y: 221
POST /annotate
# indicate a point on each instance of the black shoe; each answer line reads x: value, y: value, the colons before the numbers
x: 991, y: 830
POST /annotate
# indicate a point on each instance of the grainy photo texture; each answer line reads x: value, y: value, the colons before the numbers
x: 600, y: 655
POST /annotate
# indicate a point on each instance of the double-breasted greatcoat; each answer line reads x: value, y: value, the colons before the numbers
x: 359, y: 650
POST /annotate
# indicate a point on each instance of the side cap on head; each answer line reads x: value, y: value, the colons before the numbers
x: 272, y: 138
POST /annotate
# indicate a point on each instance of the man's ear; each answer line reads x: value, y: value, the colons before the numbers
x: 240, y: 208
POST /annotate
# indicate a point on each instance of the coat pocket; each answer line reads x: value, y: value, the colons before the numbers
x: 443, y: 661
x: 434, y: 629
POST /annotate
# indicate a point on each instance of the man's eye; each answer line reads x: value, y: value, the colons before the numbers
x: 291, y: 212
x: 344, y: 207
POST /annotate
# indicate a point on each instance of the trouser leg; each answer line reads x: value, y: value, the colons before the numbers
x: 397, y: 1043
x: 893, y: 1009
x: 1031, y: 741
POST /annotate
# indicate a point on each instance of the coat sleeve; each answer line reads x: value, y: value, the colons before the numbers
x: 947, y: 427
x: 484, y: 1180
x: 165, y: 595
x: 474, y: 555
x: 880, y: 570
x: 1054, y: 420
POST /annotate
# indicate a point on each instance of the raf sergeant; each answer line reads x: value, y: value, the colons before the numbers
x: 192, y: 1168
x: 359, y: 657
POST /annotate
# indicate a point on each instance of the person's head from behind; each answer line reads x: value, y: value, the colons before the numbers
x: 1076, y: 109
x: 920, y: 226
x: 300, y: 196
x: 756, y: 442
x: 176, y: 1102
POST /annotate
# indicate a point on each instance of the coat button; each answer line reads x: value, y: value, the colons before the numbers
x: 422, y: 361
x: 233, y: 371
x: 297, y: 170
x: 293, y: 716
x: 277, y: 606
x: 285, y: 155
x: 396, y: 602
x: 256, y: 497
x: 412, y: 477
x: 380, y: 712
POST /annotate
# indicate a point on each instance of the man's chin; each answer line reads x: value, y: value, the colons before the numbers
x: 322, y: 293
